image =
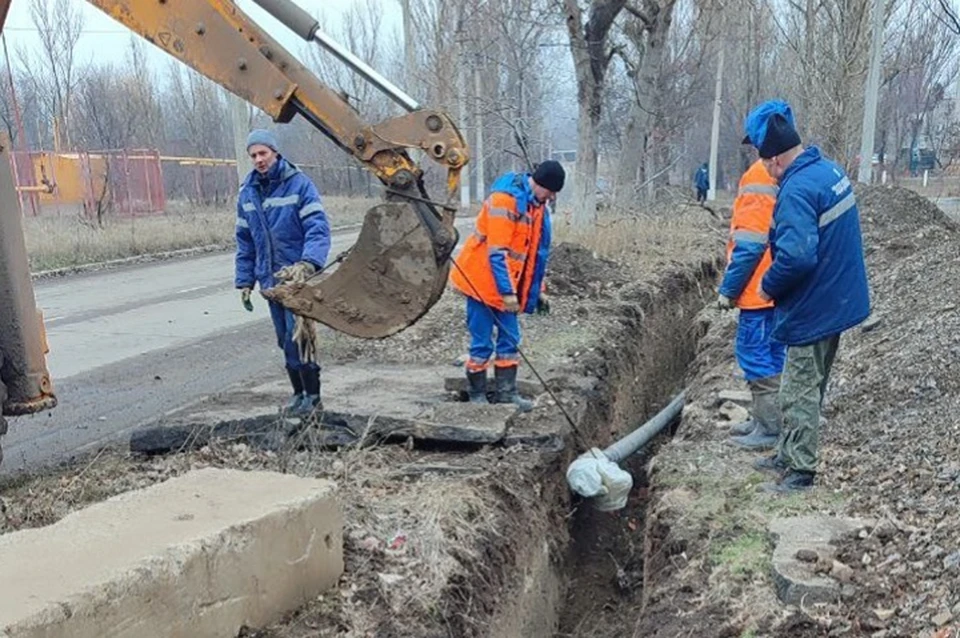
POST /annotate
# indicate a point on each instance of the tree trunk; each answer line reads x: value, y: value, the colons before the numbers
x: 588, y: 45
x: 638, y: 158
x: 585, y: 178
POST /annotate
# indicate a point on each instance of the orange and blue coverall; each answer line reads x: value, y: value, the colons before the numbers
x: 748, y: 259
x: 506, y: 255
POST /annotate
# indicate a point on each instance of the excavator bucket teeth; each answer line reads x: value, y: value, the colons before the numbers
x: 388, y: 281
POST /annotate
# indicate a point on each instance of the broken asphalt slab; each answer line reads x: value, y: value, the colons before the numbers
x: 798, y: 579
x: 361, y: 402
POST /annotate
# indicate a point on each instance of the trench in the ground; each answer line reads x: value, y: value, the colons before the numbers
x: 604, y: 564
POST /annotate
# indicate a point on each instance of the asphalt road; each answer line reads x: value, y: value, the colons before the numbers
x: 130, y: 345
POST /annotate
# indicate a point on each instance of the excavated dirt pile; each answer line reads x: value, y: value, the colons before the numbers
x: 890, y: 454
x: 894, y: 450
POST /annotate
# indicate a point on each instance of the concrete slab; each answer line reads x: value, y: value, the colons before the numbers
x: 197, y: 556
x: 797, y: 581
x: 378, y: 402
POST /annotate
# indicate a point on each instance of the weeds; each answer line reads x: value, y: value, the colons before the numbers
x: 65, y: 239
x: 651, y: 239
x: 744, y: 555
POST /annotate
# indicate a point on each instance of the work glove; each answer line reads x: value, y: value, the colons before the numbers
x: 511, y: 303
x: 724, y: 303
x: 543, y: 304
x: 304, y: 329
x: 296, y: 273
x: 245, y: 298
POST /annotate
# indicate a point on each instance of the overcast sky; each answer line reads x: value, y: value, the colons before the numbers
x: 103, y: 34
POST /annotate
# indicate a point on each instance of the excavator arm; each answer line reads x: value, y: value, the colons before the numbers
x: 398, y: 267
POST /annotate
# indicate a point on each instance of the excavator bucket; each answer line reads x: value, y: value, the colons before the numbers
x: 390, y: 278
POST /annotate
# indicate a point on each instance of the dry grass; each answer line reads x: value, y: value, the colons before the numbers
x: 65, y: 240
x: 654, y: 238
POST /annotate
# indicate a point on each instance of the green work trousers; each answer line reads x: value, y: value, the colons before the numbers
x: 802, y: 389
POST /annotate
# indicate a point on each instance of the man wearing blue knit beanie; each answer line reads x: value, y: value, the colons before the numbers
x: 818, y: 282
x: 282, y: 235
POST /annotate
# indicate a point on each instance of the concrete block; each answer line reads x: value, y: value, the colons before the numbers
x: 797, y: 581
x: 194, y: 557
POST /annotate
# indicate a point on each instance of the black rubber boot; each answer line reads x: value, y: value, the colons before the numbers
x: 507, y: 388
x: 773, y: 464
x: 477, y: 386
x: 311, y: 391
x: 792, y: 482
x: 294, y: 403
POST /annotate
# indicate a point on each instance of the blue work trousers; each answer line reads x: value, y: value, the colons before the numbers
x: 758, y: 356
x: 283, y: 323
x: 482, y: 320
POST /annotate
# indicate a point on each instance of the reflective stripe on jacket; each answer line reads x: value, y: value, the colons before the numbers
x: 818, y: 278
x: 748, y: 250
x: 280, y: 220
x: 508, y: 251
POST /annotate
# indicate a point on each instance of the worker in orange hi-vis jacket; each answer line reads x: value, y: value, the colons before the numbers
x: 501, y: 270
x: 748, y: 258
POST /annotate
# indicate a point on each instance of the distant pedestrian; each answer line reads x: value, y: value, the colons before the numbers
x: 818, y: 281
x: 501, y: 270
x: 701, y: 180
x: 282, y: 233
x: 748, y: 259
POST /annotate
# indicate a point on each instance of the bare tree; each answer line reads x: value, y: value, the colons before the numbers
x: 53, y: 72
x: 647, y: 29
x: 589, y: 44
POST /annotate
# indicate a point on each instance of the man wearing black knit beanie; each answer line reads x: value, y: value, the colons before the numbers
x: 501, y: 271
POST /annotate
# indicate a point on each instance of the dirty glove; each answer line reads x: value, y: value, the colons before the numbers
x: 245, y: 298
x: 304, y: 329
x: 511, y: 303
x: 543, y: 304
x: 296, y: 273
x: 724, y: 302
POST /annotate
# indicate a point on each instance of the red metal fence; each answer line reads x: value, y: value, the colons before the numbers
x: 123, y: 182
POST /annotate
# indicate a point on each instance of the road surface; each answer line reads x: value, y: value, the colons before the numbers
x: 129, y: 345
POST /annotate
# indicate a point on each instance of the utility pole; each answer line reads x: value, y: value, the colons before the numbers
x: 865, y: 170
x: 715, y: 131
x: 239, y: 116
x: 478, y: 122
x: 409, y: 50
x: 462, y: 107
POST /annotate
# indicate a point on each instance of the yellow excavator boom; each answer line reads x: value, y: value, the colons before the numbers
x: 398, y: 267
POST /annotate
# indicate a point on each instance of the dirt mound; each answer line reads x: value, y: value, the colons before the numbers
x: 886, y: 210
x: 578, y: 271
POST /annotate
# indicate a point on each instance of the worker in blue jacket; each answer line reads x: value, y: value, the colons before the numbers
x: 818, y: 282
x: 282, y: 232
x: 701, y: 179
